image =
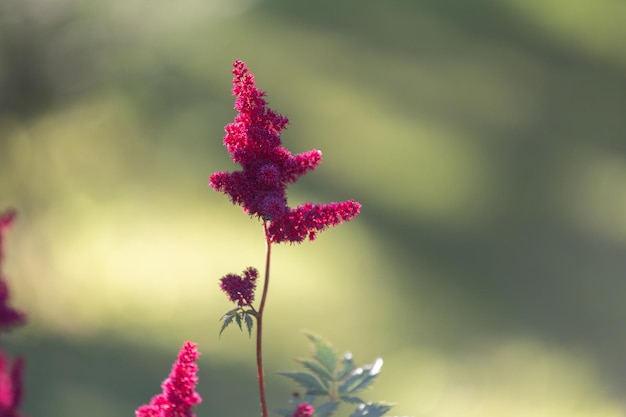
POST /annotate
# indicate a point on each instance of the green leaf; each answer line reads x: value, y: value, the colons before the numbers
x: 347, y: 366
x: 326, y: 409
x: 238, y: 319
x: 232, y: 312
x: 249, y: 324
x: 321, y: 372
x: 374, y: 367
x: 227, y: 321
x: 366, y: 383
x: 371, y: 410
x: 307, y: 381
x: 354, y: 380
x: 372, y: 371
x: 351, y: 400
x: 317, y: 392
x: 324, y: 353
x: 361, y: 378
x: 349, y: 386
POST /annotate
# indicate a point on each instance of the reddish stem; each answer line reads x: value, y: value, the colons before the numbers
x: 259, y: 329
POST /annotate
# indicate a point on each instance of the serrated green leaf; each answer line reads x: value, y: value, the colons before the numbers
x: 324, y: 376
x: 372, y: 370
x: 347, y: 366
x: 351, y: 400
x: 371, y: 410
x: 353, y: 381
x: 361, y: 378
x: 324, y: 353
x: 326, y: 409
x: 227, y: 321
x: 307, y: 381
x: 374, y: 367
x: 366, y: 383
x: 249, y: 324
x: 238, y: 320
x: 317, y: 392
x: 232, y: 312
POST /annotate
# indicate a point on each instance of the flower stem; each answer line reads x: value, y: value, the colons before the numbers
x: 259, y: 328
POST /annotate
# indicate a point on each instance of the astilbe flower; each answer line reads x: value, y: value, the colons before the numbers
x: 9, y: 317
x: 11, y: 386
x: 179, y: 395
x: 253, y: 141
x: 240, y: 289
x: 304, y: 410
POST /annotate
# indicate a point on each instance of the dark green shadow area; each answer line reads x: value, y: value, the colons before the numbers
x: 106, y: 377
x: 525, y: 268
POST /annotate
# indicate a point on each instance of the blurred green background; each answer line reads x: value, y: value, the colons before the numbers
x: 486, y: 141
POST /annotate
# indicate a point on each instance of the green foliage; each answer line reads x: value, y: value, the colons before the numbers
x: 371, y: 410
x: 335, y: 381
x: 240, y: 316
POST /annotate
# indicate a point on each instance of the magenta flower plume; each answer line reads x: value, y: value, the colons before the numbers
x: 10, y: 386
x: 9, y: 317
x: 179, y: 395
x: 304, y: 410
x: 253, y: 141
x: 240, y: 289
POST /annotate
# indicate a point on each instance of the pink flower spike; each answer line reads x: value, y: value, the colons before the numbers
x: 179, y: 395
x: 253, y: 141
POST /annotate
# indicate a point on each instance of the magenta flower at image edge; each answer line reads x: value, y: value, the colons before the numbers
x: 253, y: 141
x: 179, y: 395
x: 11, y: 390
x: 9, y: 317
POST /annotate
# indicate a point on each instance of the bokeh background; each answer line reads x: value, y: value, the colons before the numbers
x: 486, y: 141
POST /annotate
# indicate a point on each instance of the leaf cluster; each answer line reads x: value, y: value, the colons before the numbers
x: 335, y: 380
x: 241, y: 316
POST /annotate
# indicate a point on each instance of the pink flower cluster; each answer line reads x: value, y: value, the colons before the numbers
x: 253, y: 141
x: 179, y: 395
x: 240, y: 289
x: 304, y: 410
x: 11, y: 390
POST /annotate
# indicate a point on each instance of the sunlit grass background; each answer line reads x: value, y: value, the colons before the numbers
x: 486, y: 141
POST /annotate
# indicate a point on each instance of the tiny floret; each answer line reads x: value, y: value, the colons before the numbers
x: 253, y: 141
x: 304, y: 410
